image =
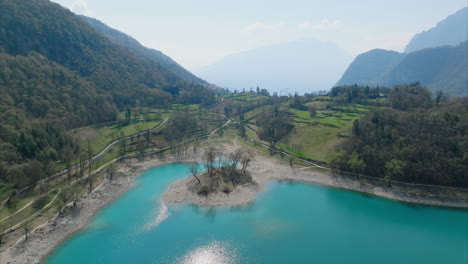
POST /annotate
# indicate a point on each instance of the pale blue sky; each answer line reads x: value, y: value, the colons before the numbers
x: 198, y: 32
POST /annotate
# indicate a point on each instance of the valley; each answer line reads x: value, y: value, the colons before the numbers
x: 105, y: 140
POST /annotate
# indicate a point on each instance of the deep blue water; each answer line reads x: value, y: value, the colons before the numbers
x: 288, y: 223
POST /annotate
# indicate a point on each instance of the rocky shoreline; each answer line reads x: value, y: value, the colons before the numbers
x: 45, y: 238
x: 265, y: 169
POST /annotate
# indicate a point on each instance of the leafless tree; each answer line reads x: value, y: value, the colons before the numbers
x: 221, y: 160
x: 195, y: 169
x: 245, y: 160
x: 82, y: 165
x: 196, y: 144
x: 210, y: 159
x: 69, y: 156
x: 2, y: 234
x: 90, y: 156
x: 90, y: 184
x: 235, y: 157
x: 26, y: 229
x: 111, y: 170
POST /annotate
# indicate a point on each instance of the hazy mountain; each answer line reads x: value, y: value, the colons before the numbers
x: 134, y: 46
x: 301, y: 66
x: 451, y: 31
x: 442, y: 68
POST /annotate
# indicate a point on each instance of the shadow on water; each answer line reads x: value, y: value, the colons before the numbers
x: 242, y: 208
x: 289, y: 182
x: 207, y: 212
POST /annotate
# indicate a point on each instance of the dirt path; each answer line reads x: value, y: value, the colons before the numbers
x: 18, y: 211
x: 34, y: 215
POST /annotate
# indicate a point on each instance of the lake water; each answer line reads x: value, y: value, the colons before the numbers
x: 288, y: 223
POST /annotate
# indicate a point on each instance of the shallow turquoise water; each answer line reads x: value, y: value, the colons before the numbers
x: 288, y: 223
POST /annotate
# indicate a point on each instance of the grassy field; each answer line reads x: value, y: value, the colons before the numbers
x: 26, y: 212
x: 99, y: 137
x: 4, y: 212
x: 142, y: 118
x: 315, y: 142
x: 247, y: 96
x: 312, y: 136
x: 315, y: 137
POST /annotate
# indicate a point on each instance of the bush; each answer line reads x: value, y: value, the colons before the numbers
x: 41, y: 202
x: 203, y: 190
x: 226, y: 188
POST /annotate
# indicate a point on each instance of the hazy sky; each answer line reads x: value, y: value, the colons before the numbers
x: 196, y: 33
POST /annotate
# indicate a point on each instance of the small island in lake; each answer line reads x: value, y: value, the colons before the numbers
x: 218, y: 179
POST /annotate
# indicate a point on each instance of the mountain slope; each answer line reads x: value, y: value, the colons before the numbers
x: 442, y: 68
x: 63, y: 37
x: 369, y: 67
x: 58, y: 73
x: 451, y: 31
x: 135, y: 47
x: 301, y: 66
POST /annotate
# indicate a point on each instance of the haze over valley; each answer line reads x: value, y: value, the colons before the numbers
x: 302, y: 66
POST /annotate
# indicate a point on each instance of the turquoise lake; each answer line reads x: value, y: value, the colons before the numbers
x: 290, y: 222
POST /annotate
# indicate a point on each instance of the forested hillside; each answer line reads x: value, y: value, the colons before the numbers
x: 369, y: 67
x: 58, y: 73
x: 416, y: 139
x: 135, y: 47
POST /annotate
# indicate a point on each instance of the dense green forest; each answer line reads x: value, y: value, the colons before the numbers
x: 135, y: 47
x: 417, y: 138
x: 58, y: 73
x: 62, y: 37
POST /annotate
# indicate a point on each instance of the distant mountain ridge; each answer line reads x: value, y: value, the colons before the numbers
x: 442, y: 68
x: 437, y: 58
x: 451, y: 31
x: 301, y: 66
x: 138, y: 49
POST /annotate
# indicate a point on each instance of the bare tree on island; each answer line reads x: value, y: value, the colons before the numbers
x: 210, y: 158
x: 222, y: 171
x: 245, y: 160
x: 235, y: 158
x: 194, y: 168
